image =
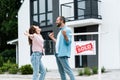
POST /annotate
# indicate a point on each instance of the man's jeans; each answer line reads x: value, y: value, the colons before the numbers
x: 63, y: 67
x: 37, y: 66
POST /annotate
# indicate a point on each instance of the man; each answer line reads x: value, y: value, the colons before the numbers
x: 63, y: 48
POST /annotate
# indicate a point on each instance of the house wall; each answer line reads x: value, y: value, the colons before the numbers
x: 23, y: 25
x: 110, y: 34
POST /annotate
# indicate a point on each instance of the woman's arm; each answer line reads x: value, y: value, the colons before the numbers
x: 28, y: 35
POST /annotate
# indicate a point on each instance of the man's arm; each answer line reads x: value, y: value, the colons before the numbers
x: 51, y: 35
x: 65, y: 36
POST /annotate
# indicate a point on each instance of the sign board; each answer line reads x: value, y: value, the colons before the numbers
x: 85, y: 47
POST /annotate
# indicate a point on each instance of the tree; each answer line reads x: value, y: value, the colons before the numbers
x: 8, y: 22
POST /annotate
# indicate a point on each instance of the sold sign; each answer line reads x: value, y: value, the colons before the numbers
x: 85, y: 47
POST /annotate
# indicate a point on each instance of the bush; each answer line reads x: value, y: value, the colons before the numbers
x: 1, y: 61
x: 1, y: 71
x: 8, y: 65
x: 26, y: 69
x: 95, y: 70
x: 13, y: 69
x: 87, y: 71
x: 103, y: 70
x: 4, y: 69
x: 80, y: 73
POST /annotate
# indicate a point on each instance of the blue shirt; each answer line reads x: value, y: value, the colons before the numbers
x: 63, y: 46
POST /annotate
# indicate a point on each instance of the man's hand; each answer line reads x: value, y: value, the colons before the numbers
x: 64, y: 34
x: 51, y: 35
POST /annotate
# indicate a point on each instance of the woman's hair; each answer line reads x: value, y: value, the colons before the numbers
x: 32, y: 30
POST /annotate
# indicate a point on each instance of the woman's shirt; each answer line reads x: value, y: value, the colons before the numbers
x: 37, y: 43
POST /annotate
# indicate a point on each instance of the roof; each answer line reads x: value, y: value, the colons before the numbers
x: 15, y: 41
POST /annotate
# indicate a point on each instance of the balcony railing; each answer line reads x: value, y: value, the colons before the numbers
x: 81, y: 9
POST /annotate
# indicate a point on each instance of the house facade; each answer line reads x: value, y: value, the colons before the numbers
x: 84, y: 17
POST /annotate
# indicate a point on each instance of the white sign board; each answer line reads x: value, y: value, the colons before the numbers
x: 85, y: 48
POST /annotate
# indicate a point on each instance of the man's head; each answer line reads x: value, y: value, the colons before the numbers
x: 60, y: 21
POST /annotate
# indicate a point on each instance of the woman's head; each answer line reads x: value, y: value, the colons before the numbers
x: 33, y: 30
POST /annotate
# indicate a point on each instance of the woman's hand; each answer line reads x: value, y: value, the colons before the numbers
x: 26, y: 33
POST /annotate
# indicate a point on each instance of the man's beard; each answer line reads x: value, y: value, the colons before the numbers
x: 59, y: 24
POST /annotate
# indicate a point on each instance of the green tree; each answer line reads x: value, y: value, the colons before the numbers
x: 8, y: 22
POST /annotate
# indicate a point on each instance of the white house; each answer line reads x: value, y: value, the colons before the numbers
x: 83, y: 17
x: 15, y: 42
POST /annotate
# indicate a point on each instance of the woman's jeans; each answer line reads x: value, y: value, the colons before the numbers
x: 37, y: 66
x: 63, y: 66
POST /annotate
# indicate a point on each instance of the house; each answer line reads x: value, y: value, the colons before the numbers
x: 15, y: 42
x: 82, y: 16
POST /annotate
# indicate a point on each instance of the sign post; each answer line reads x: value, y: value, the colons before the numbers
x: 89, y: 48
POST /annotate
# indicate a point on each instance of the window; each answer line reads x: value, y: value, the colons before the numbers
x: 81, y: 9
x: 42, y: 6
x: 49, y: 19
x: 35, y: 7
x: 42, y: 13
x: 42, y: 20
x: 48, y: 43
x: 50, y: 5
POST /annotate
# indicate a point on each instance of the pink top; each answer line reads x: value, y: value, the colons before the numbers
x: 37, y: 43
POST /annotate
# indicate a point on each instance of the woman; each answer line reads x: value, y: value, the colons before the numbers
x: 36, y: 41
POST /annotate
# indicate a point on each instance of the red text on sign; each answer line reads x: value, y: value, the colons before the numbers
x: 83, y: 48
